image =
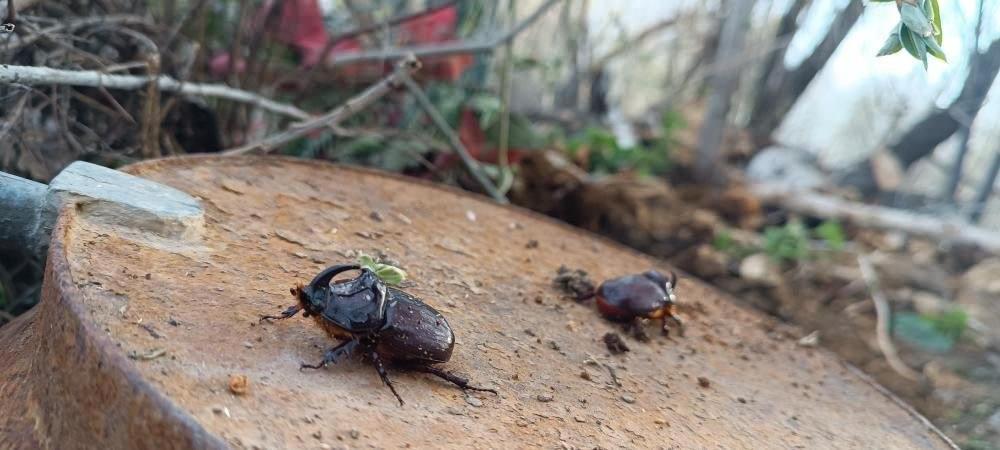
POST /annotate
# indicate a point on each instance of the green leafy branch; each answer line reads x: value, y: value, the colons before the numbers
x: 918, y: 31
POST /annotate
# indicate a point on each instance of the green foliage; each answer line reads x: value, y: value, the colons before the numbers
x: 952, y: 323
x: 787, y: 243
x: 937, y: 333
x: 918, y: 31
x: 723, y: 241
x: 391, y: 275
x: 919, y: 331
x: 832, y: 234
x: 605, y: 156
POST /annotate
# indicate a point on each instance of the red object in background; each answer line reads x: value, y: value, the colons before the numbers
x: 474, y: 139
x: 300, y: 25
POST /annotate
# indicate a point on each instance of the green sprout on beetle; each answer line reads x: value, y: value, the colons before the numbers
x: 390, y: 274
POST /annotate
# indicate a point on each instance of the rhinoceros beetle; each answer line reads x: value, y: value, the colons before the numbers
x: 383, y: 323
x: 649, y: 295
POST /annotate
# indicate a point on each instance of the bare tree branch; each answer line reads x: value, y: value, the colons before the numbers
x: 829, y: 206
x: 425, y: 51
x: 30, y: 75
x: 349, y: 108
x: 456, y: 144
x: 882, y: 316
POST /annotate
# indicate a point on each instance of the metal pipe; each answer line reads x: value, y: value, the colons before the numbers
x: 21, y: 205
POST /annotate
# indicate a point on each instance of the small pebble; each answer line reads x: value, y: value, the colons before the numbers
x: 239, y: 384
x: 318, y: 435
x: 473, y: 401
x: 703, y: 382
x: 544, y: 398
x: 455, y: 411
x: 580, y: 419
x: 376, y: 216
x: 741, y: 399
x: 354, y: 434
x: 660, y: 422
x: 248, y: 344
x: 628, y: 399
x: 585, y: 375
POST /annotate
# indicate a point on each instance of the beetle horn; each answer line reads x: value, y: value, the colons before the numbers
x: 327, y: 274
x: 673, y: 279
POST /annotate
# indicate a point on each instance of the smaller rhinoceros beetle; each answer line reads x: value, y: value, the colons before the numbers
x: 631, y: 298
x: 385, y: 324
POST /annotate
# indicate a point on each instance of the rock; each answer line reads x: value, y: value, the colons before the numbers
x: 977, y: 296
x: 947, y: 385
x: 704, y: 260
x: 994, y: 422
x: 739, y: 206
x: 759, y: 268
x: 785, y: 166
x: 887, y: 170
x: 929, y: 304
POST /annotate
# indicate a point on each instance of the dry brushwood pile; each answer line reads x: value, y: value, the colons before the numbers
x: 937, y: 345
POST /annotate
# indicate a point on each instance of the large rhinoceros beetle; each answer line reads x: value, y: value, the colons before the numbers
x: 383, y: 323
x: 649, y: 295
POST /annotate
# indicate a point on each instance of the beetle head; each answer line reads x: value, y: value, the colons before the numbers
x: 355, y: 304
x: 668, y: 284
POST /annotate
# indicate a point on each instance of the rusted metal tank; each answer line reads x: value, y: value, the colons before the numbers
x: 137, y: 336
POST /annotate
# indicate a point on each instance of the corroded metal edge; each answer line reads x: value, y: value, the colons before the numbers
x: 73, y: 388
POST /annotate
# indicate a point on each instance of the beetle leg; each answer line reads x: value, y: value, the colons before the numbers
x: 380, y: 368
x: 636, y: 329
x: 291, y: 311
x: 462, y: 383
x: 334, y: 355
x: 676, y: 320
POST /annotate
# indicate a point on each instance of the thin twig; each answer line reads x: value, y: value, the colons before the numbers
x: 309, y: 73
x: 456, y: 144
x: 503, y: 153
x: 75, y: 24
x: 882, y: 313
x: 632, y: 42
x: 31, y: 76
x: 349, y: 108
x: 424, y: 51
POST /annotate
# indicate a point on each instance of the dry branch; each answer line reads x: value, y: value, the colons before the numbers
x: 882, y: 313
x: 425, y: 51
x: 349, y: 108
x: 955, y: 230
x: 30, y: 75
x: 453, y: 140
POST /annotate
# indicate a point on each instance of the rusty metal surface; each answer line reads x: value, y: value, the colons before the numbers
x: 190, y: 307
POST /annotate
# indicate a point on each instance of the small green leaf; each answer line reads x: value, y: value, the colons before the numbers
x: 915, y: 19
x: 892, y: 44
x: 832, y: 233
x: 391, y: 275
x: 936, y: 20
x: 934, y: 49
x: 908, y: 40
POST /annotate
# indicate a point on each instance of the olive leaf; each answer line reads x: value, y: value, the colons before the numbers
x: 934, y: 49
x: 933, y: 12
x: 913, y: 44
x: 391, y: 275
x: 914, y: 18
x: 892, y: 44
